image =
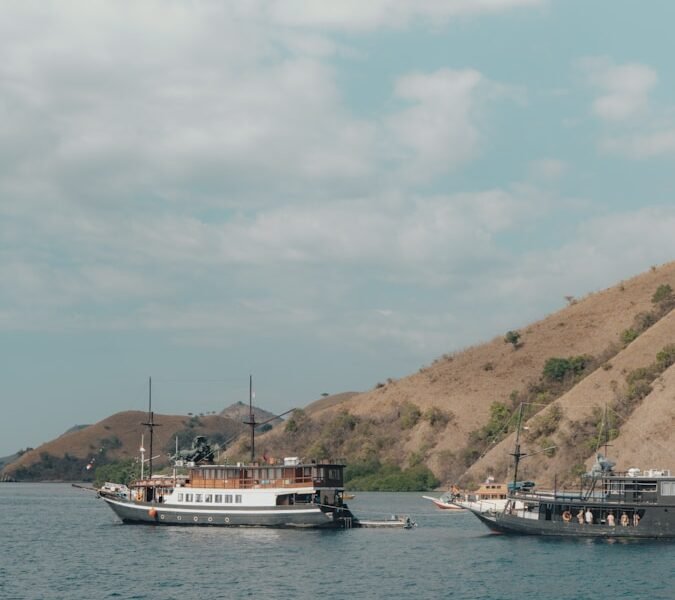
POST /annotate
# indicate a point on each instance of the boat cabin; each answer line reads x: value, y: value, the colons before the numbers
x: 317, y: 479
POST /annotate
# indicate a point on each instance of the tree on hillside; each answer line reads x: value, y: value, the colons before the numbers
x: 513, y: 338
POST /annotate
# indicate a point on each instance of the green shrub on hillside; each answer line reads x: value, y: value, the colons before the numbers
x: 297, y: 421
x: 558, y: 369
x: 122, y: 471
x: 410, y: 415
x: 629, y: 335
x: 663, y: 292
x: 546, y: 423
x: 666, y: 357
x: 437, y: 417
x: 391, y: 478
x: 55, y: 468
x: 512, y: 337
x: 494, y: 430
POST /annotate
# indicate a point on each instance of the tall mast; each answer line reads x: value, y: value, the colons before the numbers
x: 251, y: 417
x: 150, y: 423
x: 517, y: 454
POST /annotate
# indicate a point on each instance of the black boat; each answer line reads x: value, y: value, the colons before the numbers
x: 610, y: 504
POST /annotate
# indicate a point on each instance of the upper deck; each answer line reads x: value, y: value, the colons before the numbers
x: 258, y: 476
x: 634, y: 486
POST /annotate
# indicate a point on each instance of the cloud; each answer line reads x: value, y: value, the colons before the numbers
x: 624, y: 88
x: 376, y: 14
x: 547, y: 169
x: 439, y: 131
x: 602, y: 251
x: 641, y: 146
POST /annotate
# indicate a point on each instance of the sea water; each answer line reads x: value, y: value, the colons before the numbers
x: 58, y: 541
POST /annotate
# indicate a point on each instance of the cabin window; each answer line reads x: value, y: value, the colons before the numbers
x: 219, y: 498
x: 668, y: 488
x: 198, y: 497
x: 188, y: 497
x: 237, y: 498
x: 180, y: 497
x: 228, y: 498
x: 208, y: 498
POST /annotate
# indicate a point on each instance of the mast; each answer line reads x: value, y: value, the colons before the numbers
x: 251, y: 417
x: 517, y: 454
x: 150, y: 424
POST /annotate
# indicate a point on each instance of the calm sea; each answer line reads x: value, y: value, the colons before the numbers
x: 60, y: 542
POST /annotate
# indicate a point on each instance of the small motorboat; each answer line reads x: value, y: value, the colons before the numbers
x: 445, y: 502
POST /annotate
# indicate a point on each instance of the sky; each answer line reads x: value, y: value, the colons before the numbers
x: 323, y: 195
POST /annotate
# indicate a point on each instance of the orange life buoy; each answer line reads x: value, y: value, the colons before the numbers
x: 567, y: 516
x: 139, y: 496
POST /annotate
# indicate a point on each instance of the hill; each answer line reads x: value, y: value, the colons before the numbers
x: 453, y: 415
x: 610, y: 353
x: 240, y: 412
x: 114, y: 438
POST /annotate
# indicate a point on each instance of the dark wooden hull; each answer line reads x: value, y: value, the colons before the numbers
x: 657, y: 522
x: 297, y: 516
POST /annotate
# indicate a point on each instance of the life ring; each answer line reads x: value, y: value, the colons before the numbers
x: 567, y: 516
x: 139, y: 496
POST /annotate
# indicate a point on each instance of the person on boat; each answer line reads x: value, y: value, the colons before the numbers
x: 610, y: 520
x: 624, y: 519
x: 580, y: 516
x: 589, y: 516
x: 636, y: 519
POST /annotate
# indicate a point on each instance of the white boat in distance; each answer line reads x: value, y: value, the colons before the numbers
x: 489, y: 496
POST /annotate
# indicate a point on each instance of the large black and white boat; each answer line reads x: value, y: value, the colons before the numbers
x: 264, y: 493
x: 608, y: 504
x: 285, y: 494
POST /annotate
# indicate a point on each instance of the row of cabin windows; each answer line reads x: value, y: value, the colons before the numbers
x: 270, y: 473
x: 214, y: 498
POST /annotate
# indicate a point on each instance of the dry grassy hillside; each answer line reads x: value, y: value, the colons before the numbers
x: 119, y: 437
x: 646, y: 433
x: 463, y: 386
x: 453, y: 416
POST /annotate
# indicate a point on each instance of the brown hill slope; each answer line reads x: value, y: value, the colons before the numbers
x: 646, y: 432
x: 119, y: 437
x: 430, y: 415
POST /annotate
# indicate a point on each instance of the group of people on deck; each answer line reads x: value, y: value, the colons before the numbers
x: 624, y: 520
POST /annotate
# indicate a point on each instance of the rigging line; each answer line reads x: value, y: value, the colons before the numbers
x: 505, y: 427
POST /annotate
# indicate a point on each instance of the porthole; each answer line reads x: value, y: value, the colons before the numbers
x: 179, y: 518
x: 227, y: 519
x: 195, y: 519
x: 210, y: 519
x: 161, y: 517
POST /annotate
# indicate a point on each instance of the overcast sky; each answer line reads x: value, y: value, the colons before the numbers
x: 323, y: 194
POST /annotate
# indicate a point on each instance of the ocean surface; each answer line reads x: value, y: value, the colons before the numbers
x: 57, y: 541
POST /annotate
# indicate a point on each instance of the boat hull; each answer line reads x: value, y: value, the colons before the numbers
x: 501, y: 522
x: 443, y: 505
x: 311, y: 516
